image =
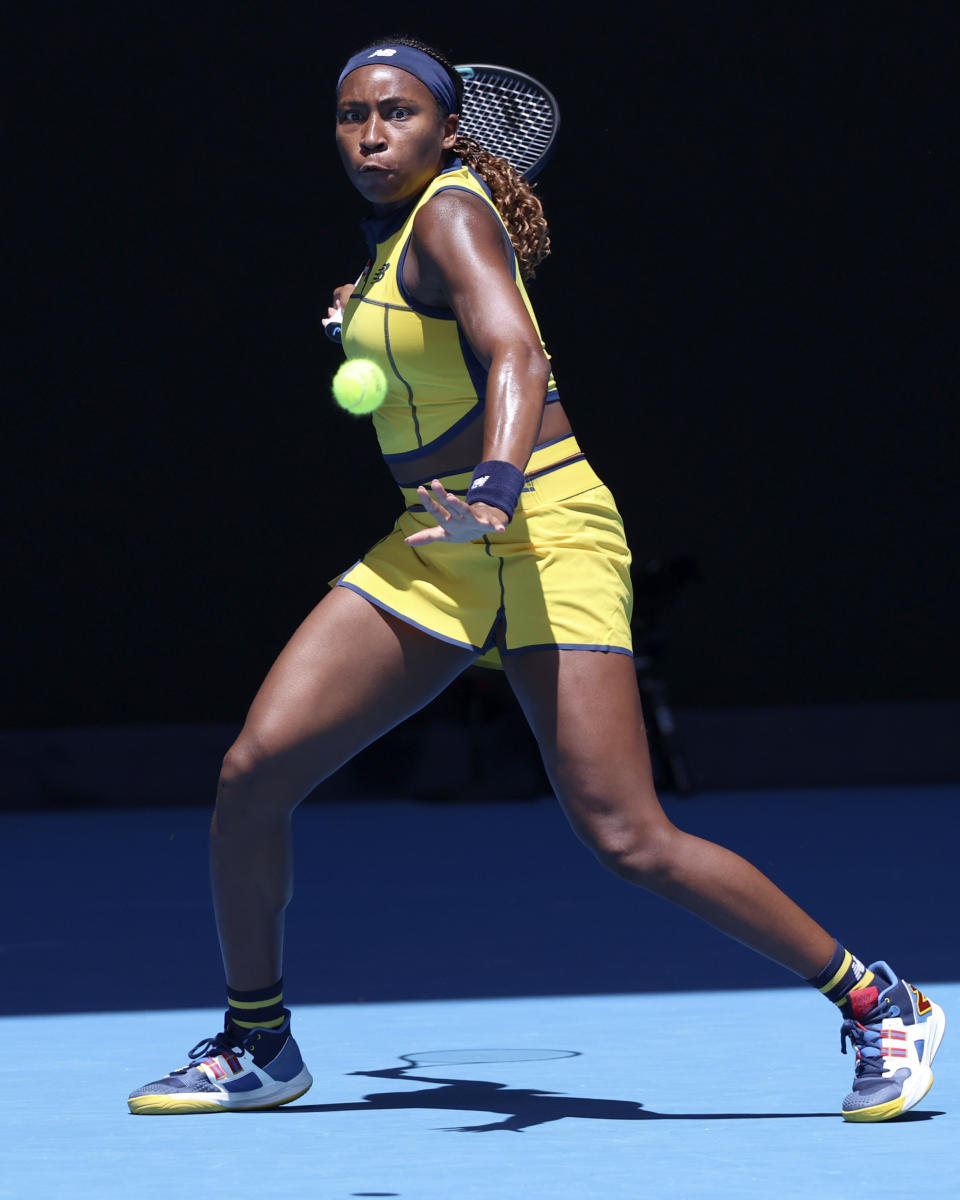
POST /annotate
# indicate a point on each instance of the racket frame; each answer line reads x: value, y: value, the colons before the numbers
x: 468, y: 71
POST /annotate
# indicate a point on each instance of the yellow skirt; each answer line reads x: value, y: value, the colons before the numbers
x: 558, y: 576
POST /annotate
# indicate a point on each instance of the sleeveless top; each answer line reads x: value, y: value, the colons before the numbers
x: 436, y: 386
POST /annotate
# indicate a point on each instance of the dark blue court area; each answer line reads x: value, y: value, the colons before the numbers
x: 602, y: 1043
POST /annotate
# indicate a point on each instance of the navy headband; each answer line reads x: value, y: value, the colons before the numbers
x: 422, y: 66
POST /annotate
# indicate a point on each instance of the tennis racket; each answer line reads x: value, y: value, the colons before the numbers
x: 510, y: 114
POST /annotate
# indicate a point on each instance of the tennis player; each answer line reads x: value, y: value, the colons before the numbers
x: 509, y: 550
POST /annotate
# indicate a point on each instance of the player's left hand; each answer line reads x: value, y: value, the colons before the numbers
x: 457, y: 521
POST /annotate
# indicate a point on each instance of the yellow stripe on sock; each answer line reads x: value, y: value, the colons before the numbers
x: 844, y: 967
x: 254, y: 1003
x: 259, y: 1024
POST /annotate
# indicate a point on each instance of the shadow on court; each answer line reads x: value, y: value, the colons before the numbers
x: 524, y: 1108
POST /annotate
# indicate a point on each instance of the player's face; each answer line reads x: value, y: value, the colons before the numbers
x: 390, y: 134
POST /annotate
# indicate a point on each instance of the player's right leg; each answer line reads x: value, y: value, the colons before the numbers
x: 349, y: 674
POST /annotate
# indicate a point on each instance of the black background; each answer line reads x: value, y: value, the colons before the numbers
x: 749, y: 307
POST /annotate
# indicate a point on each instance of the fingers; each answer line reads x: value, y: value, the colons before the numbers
x: 431, y: 505
x: 455, y: 521
x: 444, y: 505
x: 422, y: 536
x: 333, y: 322
x: 459, y: 509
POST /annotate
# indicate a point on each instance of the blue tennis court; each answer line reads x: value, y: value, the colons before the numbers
x: 602, y: 1044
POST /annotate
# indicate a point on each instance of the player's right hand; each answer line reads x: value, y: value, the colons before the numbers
x: 335, y: 312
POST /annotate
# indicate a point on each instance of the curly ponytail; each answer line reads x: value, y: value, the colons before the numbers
x: 517, y: 203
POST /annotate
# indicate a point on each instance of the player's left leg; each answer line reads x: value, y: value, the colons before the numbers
x: 584, y: 708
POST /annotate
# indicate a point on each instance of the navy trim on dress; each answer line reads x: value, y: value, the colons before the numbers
x: 442, y: 440
x: 564, y: 437
x: 352, y: 587
x: 568, y: 646
x: 378, y: 229
x: 574, y: 458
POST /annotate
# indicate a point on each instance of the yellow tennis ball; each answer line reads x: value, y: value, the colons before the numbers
x: 359, y: 386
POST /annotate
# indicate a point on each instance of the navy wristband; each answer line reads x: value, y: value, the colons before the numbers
x: 498, y: 484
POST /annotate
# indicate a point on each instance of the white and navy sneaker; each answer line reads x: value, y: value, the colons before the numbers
x: 896, y: 1033
x: 238, y: 1070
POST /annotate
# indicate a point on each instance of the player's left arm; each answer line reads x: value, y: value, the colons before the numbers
x: 458, y: 259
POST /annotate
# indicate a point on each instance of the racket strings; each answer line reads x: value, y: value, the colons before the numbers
x: 512, y: 120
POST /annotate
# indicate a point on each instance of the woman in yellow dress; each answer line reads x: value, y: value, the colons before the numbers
x: 509, y: 549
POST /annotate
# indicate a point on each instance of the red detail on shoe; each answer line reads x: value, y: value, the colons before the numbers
x: 862, y: 1001
x: 217, y: 1071
x: 923, y: 1004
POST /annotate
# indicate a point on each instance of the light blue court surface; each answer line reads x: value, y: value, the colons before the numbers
x: 694, y: 1094
x: 690, y: 1067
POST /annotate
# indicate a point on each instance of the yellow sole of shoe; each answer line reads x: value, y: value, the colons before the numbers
x: 883, y: 1112
x: 171, y: 1106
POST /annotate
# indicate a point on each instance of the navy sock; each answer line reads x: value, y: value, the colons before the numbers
x: 261, y: 1009
x: 842, y: 975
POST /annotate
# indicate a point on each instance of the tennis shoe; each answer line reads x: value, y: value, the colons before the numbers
x: 896, y: 1032
x: 238, y: 1070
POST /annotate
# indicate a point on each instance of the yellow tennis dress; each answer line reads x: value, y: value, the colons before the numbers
x: 559, y: 575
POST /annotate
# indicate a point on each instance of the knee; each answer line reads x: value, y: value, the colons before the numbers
x: 618, y: 816
x: 250, y: 785
x: 241, y: 765
x: 642, y: 853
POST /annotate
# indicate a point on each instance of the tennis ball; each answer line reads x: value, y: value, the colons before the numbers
x: 359, y: 386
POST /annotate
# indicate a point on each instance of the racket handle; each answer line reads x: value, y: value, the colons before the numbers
x: 333, y: 330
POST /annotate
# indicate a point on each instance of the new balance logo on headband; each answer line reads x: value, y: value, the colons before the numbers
x: 432, y: 74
